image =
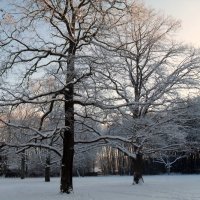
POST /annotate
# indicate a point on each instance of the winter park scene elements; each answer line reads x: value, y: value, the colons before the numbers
x: 98, y: 100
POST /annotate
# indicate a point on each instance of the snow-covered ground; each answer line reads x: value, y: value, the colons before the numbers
x: 173, y: 187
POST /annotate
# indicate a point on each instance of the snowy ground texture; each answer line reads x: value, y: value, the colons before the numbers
x: 173, y: 187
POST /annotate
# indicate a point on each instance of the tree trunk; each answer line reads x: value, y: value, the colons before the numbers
x: 137, y: 168
x: 67, y: 163
x: 68, y: 133
x: 23, y: 165
x: 47, y: 169
x: 168, y: 169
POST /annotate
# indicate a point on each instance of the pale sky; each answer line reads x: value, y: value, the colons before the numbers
x: 188, y: 11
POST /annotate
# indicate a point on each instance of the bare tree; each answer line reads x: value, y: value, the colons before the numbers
x: 51, y: 35
x: 145, y: 70
x: 167, y: 159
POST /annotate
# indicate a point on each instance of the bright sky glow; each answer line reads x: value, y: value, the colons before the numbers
x: 188, y: 11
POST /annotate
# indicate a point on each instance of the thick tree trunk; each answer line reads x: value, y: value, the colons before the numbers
x: 68, y: 133
x: 67, y: 162
x: 47, y: 169
x: 137, y: 168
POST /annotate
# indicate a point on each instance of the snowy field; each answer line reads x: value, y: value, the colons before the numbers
x: 173, y: 187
